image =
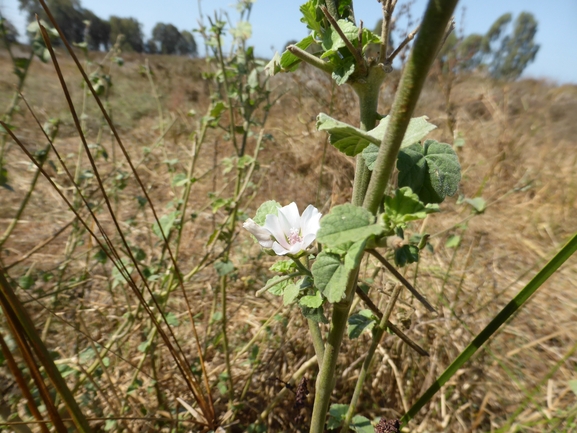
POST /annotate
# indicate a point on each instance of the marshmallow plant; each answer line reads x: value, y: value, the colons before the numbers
x: 321, y: 277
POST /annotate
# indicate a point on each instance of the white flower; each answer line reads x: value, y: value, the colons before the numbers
x: 261, y: 234
x: 288, y: 232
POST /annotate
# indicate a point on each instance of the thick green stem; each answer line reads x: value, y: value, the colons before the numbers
x: 437, y: 16
x: 368, y: 93
x: 317, y: 338
x: 377, y: 336
x: 326, y: 379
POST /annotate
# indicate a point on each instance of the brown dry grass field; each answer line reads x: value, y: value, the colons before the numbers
x: 518, y: 155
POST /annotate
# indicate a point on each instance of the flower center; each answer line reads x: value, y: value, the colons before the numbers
x: 294, y: 236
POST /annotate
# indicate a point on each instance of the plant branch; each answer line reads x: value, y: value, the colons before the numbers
x: 310, y: 59
x: 403, y: 44
x: 369, y: 303
x: 402, y: 279
x: 433, y: 26
x: 318, y: 342
x: 377, y: 336
x: 356, y: 54
x: 388, y: 8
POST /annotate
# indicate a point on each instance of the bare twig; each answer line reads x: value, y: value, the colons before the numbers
x: 402, y: 279
x: 310, y: 59
x: 388, y: 8
x: 369, y: 303
x: 403, y: 44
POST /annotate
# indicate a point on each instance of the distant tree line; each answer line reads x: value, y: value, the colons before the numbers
x: 82, y: 25
x: 505, y: 50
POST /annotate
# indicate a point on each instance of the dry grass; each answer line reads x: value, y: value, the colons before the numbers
x: 518, y: 155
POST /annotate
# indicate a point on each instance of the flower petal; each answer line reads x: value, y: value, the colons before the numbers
x: 262, y: 235
x: 291, y: 213
x: 310, y: 221
x: 273, y: 224
x: 279, y: 249
x: 308, y: 239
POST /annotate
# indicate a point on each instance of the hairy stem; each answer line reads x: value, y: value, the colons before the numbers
x: 433, y: 27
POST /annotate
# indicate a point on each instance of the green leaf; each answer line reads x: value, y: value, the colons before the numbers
x: 172, y: 320
x: 277, y: 288
x: 343, y: 70
x: 310, y: 16
x: 406, y: 254
x: 332, y: 40
x: 432, y: 170
x: 288, y: 61
x: 283, y: 266
x: 347, y: 223
x: 360, y: 424
x: 354, y: 254
x: 418, y: 128
x: 110, y: 424
x: 478, y: 203
x: 166, y: 222
x: 4, y: 178
x: 337, y: 414
x: 453, y: 241
x: 405, y: 206
x: 364, y: 319
x: 242, y: 31
x: 573, y: 386
x: 330, y: 276
x: 314, y: 314
x: 312, y: 301
x: 224, y: 268
x: 352, y: 141
x: 270, y: 207
x: 291, y: 292
x: 26, y: 281
x: 348, y: 139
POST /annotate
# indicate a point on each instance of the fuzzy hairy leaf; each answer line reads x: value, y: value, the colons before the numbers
x: 364, y: 319
x: 312, y: 301
x: 347, y: 223
x: 311, y: 16
x: 330, y: 276
x: 332, y: 40
x: 418, y: 128
x: 354, y: 254
x: 348, y: 139
x: 352, y: 141
x: 432, y: 170
x: 291, y: 292
x: 288, y: 61
x: 337, y: 413
x: 268, y: 207
x: 314, y: 314
x: 405, y: 206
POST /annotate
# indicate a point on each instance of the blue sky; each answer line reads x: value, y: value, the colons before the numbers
x: 277, y: 21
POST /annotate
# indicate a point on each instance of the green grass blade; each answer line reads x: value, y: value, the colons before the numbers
x: 511, y: 308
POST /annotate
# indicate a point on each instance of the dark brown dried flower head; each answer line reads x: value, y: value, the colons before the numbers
x: 388, y: 426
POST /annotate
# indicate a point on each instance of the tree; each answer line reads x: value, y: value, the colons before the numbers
x: 98, y: 31
x: 511, y: 53
x: 131, y: 31
x: 167, y: 37
x: 186, y: 45
x: 68, y: 14
x: 171, y: 41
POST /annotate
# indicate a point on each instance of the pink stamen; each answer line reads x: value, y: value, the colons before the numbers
x: 294, y: 237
